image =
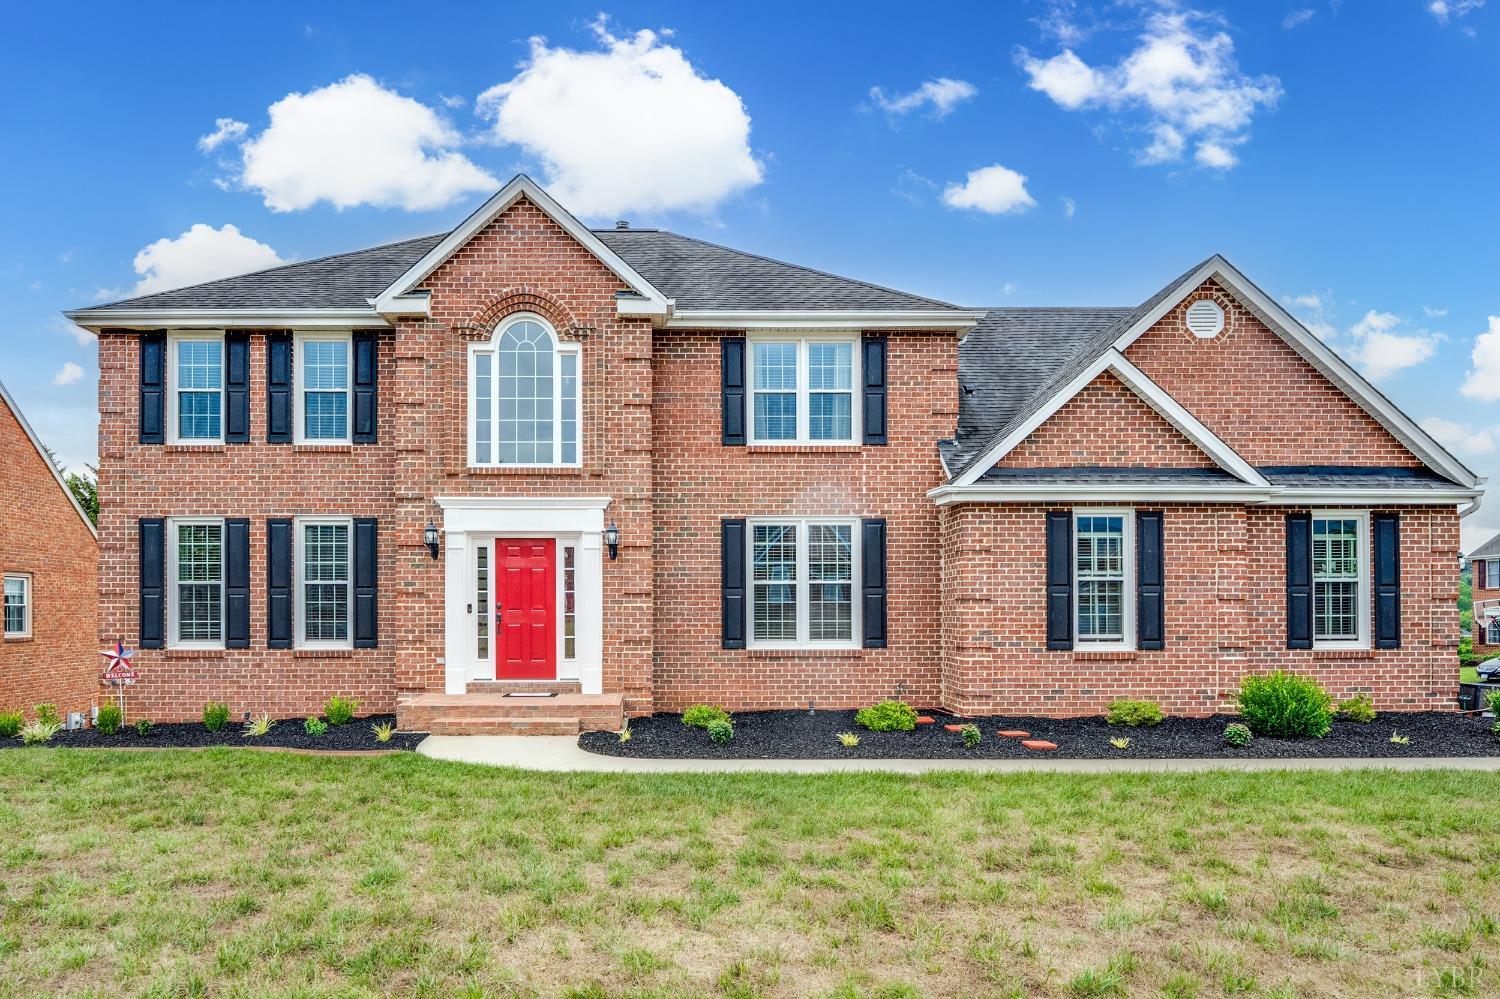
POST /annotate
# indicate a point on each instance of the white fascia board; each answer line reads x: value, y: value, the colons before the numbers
x: 519, y: 186
x: 36, y: 442
x: 1103, y: 492
x: 1291, y: 496
x: 1150, y: 393
x: 219, y: 319
x: 1333, y: 367
x: 637, y: 307
x: 825, y: 319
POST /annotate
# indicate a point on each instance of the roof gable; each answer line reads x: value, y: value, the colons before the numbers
x: 36, y: 442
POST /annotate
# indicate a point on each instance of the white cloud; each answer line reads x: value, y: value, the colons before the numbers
x: 1182, y: 78
x: 1297, y: 18
x: 1070, y: 207
x: 80, y: 336
x: 70, y: 372
x: 65, y: 257
x: 1434, y: 313
x: 203, y: 253
x: 1444, y: 9
x: 1461, y: 437
x: 225, y: 130
x: 632, y: 126
x: 1483, y: 379
x: 356, y: 143
x: 1311, y: 300
x: 452, y: 101
x: 994, y: 189
x: 1382, y: 346
x: 942, y: 94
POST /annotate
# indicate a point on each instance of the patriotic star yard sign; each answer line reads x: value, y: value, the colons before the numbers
x: 117, y: 670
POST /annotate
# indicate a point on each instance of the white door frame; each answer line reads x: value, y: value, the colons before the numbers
x: 469, y: 521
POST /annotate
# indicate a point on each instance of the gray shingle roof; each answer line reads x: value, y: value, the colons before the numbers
x: 1095, y: 475
x: 1490, y: 549
x: 1352, y: 477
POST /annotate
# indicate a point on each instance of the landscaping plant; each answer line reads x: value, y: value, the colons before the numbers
x: 315, y: 726
x: 1399, y: 739
x: 340, y: 710
x: 721, y: 730
x: 1123, y: 743
x: 1134, y: 713
x: 10, y: 724
x: 1285, y: 705
x: 47, y: 712
x: 258, y: 726
x: 143, y: 727
x: 704, y: 715
x: 383, y: 731
x: 1237, y: 735
x: 848, y: 739
x: 625, y: 733
x: 887, y: 716
x: 971, y: 735
x: 39, y: 732
x: 1493, y: 697
x: 215, y: 716
x: 109, y: 719
x: 1358, y: 709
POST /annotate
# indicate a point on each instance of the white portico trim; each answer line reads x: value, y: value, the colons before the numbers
x: 472, y: 521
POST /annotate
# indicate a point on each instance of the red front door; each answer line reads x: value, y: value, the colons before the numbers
x: 525, y: 606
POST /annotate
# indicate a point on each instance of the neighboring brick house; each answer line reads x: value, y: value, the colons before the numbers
x: 49, y: 563
x: 638, y: 471
x: 1484, y: 587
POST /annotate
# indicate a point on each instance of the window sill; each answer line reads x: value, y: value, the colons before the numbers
x: 1118, y: 655
x: 20, y: 638
x: 808, y: 653
x: 804, y: 448
x: 196, y: 653
x: 322, y: 653
x: 324, y: 448
x: 1343, y: 653
x: 524, y: 470
x: 200, y: 448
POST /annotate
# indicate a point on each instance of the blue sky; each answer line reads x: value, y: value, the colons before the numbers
x: 1343, y: 155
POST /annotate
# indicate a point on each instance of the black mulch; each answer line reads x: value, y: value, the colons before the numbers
x: 799, y: 735
x: 285, y: 734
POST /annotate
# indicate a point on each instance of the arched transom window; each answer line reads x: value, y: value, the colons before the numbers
x: 523, y: 396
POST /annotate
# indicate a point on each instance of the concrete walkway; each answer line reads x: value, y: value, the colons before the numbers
x: 560, y: 753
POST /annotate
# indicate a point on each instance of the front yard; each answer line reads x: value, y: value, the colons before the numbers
x: 224, y: 872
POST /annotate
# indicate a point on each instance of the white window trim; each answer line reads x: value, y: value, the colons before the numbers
x: 1489, y: 634
x: 299, y: 609
x: 299, y: 416
x: 173, y: 393
x: 1362, y: 602
x: 491, y: 347
x: 803, y: 338
x: 26, y: 614
x: 173, y: 524
x: 1128, y: 622
x: 804, y: 589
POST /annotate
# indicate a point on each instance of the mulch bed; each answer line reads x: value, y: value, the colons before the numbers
x: 799, y: 735
x: 285, y: 734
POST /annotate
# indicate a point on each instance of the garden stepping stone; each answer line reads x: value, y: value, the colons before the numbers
x: 1038, y: 744
x: 924, y: 719
x: 1014, y: 733
x: 954, y: 728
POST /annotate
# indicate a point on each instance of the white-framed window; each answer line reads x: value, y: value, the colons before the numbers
x: 1340, y: 578
x: 1492, y: 633
x: 324, y: 375
x: 802, y: 389
x: 17, y: 605
x: 325, y: 582
x: 803, y: 575
x: 524, y: 396
x: 1103, y: 567
x: 195, y: 583
x: 195, y: 400
x: 568, y: 580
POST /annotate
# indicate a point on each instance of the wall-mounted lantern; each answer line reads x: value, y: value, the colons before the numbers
x: 612, y: 539
x: 430, y: 538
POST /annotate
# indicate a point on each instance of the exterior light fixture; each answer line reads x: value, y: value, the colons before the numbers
x: 612, y: 539
x: 430, y: 538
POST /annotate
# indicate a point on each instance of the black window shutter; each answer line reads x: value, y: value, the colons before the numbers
x: 1299, y: 600
x: 1150, y: 573
x: 366, y: 598
x: 872, y: 581
x: 236, y: 388
x: 153, y: 582
x: 279, y: 574
x: 153, y: 413
x: 1059, y: 579
x: 1387, y: 530
x: 236, y: 583
x: 873, y: 364
x: 1479, y: 579
x: 732, y: 582
x: 279, y: 389
x: 364, y: 431
x: 732, y: 384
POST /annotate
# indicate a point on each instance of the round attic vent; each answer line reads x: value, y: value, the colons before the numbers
x: 1205, y: 319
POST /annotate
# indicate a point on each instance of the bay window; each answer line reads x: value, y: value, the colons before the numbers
x: 524, y: 396
x: 802, y: 580
x: 802, y: 390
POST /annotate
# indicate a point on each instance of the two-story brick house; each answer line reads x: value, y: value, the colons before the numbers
x: 640, y: 471
x: 1484, y: 588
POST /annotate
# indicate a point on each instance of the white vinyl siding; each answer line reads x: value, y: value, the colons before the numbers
x: 17, y: 605
x: 802, y: 390
x: 802, y: 579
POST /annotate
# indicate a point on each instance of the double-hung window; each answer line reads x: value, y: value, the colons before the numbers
x: 17, y: 605
x: 1103, y: 553
x: 802, y: 582
x: 195, y: 583
x: 196, y: 376
x: 524, y: 396
x: 323, y: 388
x: 802, y: 390
x: 325, y: 590
x: 1341, y: 616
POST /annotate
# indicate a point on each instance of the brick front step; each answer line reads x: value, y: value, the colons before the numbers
x: 524, y: 687
x: 504, y: 726
x: 492, y: 713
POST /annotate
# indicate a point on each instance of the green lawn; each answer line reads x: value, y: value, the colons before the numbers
x: 1468, y: 674
x: 233, y: 873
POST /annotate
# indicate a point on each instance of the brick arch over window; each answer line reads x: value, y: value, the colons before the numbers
x: 484, y: 322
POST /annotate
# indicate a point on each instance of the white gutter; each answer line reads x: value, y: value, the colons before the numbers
x: 947, y: 495
x: 802, y: 319
x: 217, y: 319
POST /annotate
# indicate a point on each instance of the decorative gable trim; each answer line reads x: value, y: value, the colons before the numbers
x: 36, y: 442
x: 400, y: 299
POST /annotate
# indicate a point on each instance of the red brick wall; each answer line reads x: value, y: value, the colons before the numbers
x: 41, y: 534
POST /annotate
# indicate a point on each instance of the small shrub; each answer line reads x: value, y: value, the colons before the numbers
x: 315, y: 726
x: 258, y: 726
x: 39, y: 732
x: 1120, y: 743
x: 383, y: 731
x: 215, y: 716
x: 46, y: 713
x: 1285, y: 705
x: 340, y: 710
x: 970, y: 735
x: 721, y: 730
x: 143, y: 727
x: 887, y: 716
x: 1399, y: 739
x: 1237, y: 735
x: 704, y: 715
x: 1358, y: 709
x: 110, y: 719
x: 10, y: 724
x: 1493, y: 697
x: 1135, y: 713
x: 625, y: 734
x: 848, y: 739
